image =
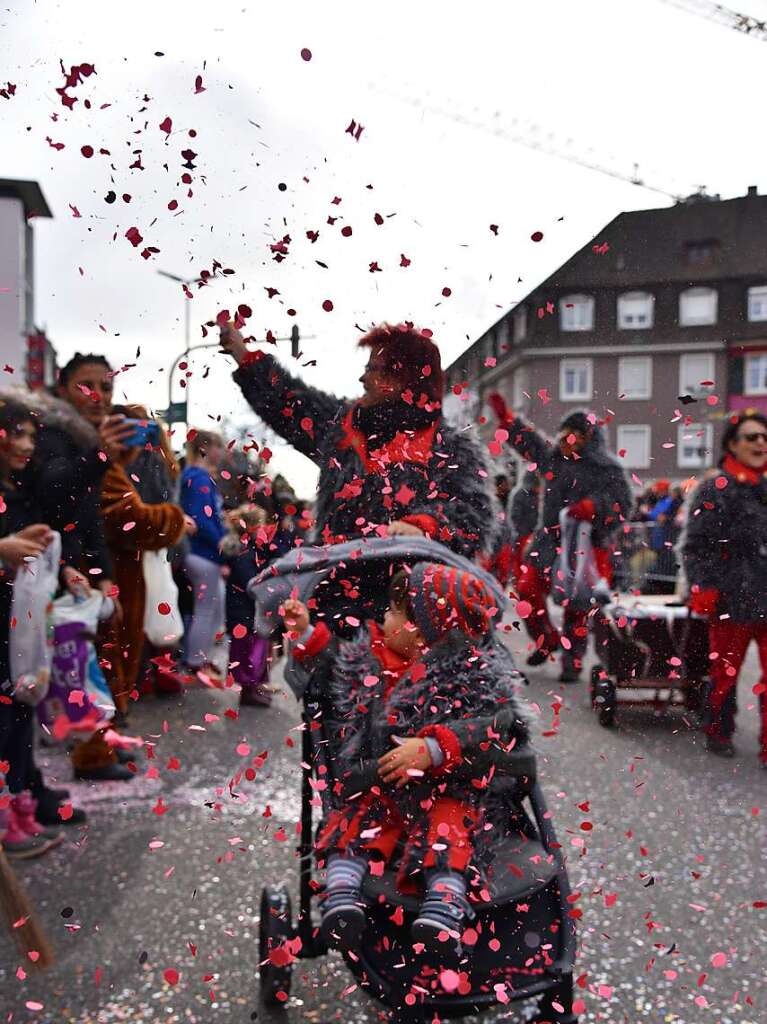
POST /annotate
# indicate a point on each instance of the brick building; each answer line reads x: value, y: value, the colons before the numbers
x: 660, y: 304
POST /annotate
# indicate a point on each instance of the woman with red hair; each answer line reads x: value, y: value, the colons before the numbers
x: 389, y: 463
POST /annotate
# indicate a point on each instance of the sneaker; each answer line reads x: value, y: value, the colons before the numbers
x: 440, y: 924
x: 47, y: 812
x: 23, y: 808
x: 720, y: 746
x: 343, y: 919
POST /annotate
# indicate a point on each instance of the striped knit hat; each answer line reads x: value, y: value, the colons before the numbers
x: 445, y: 599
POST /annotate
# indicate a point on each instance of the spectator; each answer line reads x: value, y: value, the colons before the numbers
x: 132, y: 526
x: 580, y: 476
x: 22, y: 537
x: 246, y: 548
x: 724, y: 551
x: 201, y: 501
x: 524, y: 513
x: 500, y: 561
x: 77, y: 439
x: 388, y: 462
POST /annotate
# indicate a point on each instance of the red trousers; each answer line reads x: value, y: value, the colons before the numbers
x: 447, y: 819
x: 730, y: 641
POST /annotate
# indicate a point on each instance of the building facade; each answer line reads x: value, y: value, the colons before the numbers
x: 658, y: 325
x: 20, y: 203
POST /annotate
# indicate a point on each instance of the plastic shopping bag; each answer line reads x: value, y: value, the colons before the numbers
x: 30, y: 641
x: 78, y: 700
x: 162, y: 619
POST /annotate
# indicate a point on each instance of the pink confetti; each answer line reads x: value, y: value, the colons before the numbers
x: 306, y: 54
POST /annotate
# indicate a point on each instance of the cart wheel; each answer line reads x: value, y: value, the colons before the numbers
x: 276, y: 926
x: 605, y: 702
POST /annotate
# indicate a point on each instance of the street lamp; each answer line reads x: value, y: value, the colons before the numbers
x: 185, y: 282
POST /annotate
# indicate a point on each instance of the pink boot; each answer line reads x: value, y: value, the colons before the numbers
x: 16, y: 843
x: 24, y: 807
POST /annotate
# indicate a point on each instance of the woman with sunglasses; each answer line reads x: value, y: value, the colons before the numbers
x: 724, y: 551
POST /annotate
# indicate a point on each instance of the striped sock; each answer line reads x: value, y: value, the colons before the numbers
x: 345, y: 872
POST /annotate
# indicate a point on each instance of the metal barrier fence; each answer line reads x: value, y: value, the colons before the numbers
x: 645, y: 558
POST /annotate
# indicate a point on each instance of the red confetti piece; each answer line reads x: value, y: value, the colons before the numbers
x: 65, y: 811
x: 87, y: 151
x: 171, y: 975
x: 306, y: 54
x: 537, y: 236
x: 163, y: 608
x: 239, y: 631
x: 327, y: 305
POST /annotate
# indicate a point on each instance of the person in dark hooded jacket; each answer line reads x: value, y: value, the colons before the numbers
x: 388, y: 462
x: 724, y: 554
x: 580, y: 475
x: 425, y: 710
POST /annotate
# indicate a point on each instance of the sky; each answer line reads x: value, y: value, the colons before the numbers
x: 616, y: 82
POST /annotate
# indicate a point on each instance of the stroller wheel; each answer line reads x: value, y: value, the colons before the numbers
x: 604, y: 699
x: 275, y: 928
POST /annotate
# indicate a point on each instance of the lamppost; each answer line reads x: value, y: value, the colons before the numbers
x: 185, y: 282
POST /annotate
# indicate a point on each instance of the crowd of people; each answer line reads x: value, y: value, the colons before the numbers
x: 131, y: 517
x: 101, y: 482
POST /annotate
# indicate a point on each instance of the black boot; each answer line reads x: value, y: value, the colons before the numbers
x: 720, y: 746
x: 343, y: 918
x: 47, y: 812
x: 569, y: 674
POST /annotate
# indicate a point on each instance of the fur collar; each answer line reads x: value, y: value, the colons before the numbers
x: 52, y: 412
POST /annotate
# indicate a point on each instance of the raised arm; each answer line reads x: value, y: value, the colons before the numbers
x: 526, y: 441
x: 300, y: 414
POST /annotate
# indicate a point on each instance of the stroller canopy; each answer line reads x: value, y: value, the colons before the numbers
x: 300, y: 571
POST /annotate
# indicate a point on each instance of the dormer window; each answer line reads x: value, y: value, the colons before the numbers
x: 702, y: 253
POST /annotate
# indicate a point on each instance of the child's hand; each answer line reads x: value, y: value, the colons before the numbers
x: 295, y: 615
x: 407, y: 761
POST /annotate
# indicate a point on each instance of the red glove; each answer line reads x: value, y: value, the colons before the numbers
x: 704, y: 602
x: 584, y: 511
x: 498, y: 404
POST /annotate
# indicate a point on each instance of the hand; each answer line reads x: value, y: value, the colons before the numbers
x: 15, y: 550
x: 584, y: 511
x: 704, y: 601
x: 233, y: 343
x: 109, y: 589
x: 39, y: 533
x: 498, y: 404
x: 399, y: 528
x: 190, y: 526
x: 405, y: 762
x: 75, y: 582
x: 113, y: 432
x: 295, y: 615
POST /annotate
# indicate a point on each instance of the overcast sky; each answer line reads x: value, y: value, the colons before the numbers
x: 624, y: 81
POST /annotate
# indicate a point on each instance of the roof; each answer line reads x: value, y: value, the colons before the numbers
x: 650, y: 246
x: 29, y: 192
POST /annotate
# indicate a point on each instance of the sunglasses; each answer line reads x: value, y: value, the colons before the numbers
x: 758, y: 435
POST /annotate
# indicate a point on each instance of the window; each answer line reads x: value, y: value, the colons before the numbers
x: 697, y: 306
x: 694, y: 446
x: 520, y: 324
x: 635, y: 311
x: 521, y: 385
x: 757, y: 303
x: 502, y: 339
x: 694, y: 369
x: 576, y: 313
x: 635, y: 441
x: 635, y: 377
x: 575, y: 380
x: 702, y: 254
x: 755, y: 377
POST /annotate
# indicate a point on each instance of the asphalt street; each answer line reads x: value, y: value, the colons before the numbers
x: 153, y: 906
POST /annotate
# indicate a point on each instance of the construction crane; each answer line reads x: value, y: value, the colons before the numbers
x: 722, y: 15
x: 531, y: 136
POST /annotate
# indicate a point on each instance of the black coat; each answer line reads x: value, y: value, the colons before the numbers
x: 566, y: 481
x: 451, y: 487
x: 245, y: 561
x: 66, y: 476
x: 524, y: 505
x: 724, y: 544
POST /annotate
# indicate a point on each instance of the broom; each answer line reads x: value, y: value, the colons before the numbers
x: 16, y: 908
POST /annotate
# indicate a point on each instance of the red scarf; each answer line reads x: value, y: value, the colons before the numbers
x: 743, y: 474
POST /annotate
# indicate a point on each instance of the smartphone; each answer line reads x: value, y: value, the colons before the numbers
x: 144, y: 432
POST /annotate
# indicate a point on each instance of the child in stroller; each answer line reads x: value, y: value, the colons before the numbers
x: 520, y: 943
x: 416, y: 702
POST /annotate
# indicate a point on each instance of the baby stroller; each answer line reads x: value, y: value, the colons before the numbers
x: 655, y: 650
x: 522, y: 945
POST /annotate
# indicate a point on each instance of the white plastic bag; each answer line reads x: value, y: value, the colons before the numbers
x: 576, y: 580
x: 162, y: 619
x: 30, y: 642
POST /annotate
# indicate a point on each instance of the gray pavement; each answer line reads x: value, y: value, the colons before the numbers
x: 665, y: 844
